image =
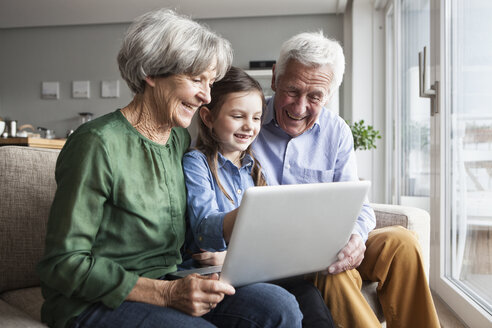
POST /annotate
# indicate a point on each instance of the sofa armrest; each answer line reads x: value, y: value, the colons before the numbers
x: 412, y: 218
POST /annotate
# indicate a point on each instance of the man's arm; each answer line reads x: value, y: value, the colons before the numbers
x: 352, y: 254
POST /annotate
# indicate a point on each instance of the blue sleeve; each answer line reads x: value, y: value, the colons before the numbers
x: 346, y: 170
x: 206, y: 219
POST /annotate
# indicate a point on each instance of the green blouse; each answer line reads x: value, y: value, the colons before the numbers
x: 118, y: 213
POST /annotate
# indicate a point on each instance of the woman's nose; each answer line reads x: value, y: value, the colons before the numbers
x: 204, y: 94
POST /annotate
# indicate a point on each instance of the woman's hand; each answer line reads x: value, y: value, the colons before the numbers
x: 196, y: 295
x: 206, y: 258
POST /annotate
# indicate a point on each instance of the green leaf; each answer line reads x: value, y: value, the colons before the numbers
x: 364, y: 135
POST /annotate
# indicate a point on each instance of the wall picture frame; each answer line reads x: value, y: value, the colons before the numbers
x: 110, y: 89
x: 50, y: 90
x: 81, y: 89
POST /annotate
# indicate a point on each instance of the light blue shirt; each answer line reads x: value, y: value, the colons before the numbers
x: 207, y: 204
x: 323, y: 153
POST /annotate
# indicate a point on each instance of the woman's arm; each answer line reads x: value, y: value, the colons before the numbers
x: 69, y: 265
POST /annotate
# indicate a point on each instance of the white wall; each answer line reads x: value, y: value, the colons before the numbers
x: 364, y: 86
x: 29, y: 56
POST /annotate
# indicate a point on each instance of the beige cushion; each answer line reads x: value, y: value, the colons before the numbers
x: 27, y: 188
x: 386, y: 219
x: 412, y: 218
x: 29, y: 300
x: 14, y: 318
x: 370, y: 294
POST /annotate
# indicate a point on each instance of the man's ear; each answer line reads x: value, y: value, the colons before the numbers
x: 150, y: 81
x: 273, y: 79
x: 206, y: 116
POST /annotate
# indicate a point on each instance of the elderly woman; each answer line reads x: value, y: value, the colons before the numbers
x: 117, y: 222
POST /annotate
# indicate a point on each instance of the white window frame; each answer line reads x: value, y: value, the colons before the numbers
x: 471, y: 313
x: 392, y: 108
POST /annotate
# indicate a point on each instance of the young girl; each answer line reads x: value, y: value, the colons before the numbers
x: 222, y: 166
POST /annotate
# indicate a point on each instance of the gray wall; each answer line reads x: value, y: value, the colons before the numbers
x: 260, y: 38
x: 29, y: 56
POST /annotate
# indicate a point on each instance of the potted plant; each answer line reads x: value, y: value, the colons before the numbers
x: 364, y: 135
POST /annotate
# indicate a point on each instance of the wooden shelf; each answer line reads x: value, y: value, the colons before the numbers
x: 33, y: 142
x: 260, y: 72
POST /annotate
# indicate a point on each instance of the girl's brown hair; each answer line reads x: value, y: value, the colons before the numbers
x: 235, y: 80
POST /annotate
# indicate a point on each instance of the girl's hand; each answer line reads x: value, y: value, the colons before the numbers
x: 196, y: 295
x: 207, y: 258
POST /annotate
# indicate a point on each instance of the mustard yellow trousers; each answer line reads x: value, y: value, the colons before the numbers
x: 392, y: 259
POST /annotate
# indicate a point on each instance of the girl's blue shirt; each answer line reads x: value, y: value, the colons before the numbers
x: 207, y: 204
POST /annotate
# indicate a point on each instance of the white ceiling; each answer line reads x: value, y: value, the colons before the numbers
x: 24, y: 13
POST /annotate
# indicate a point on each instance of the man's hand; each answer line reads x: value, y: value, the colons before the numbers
x: 206, y: 258
x: 350, y: 257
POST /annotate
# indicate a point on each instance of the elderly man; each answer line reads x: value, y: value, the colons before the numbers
x: 305, y: 143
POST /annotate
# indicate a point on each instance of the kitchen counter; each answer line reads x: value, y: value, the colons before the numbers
x: 33, y: 142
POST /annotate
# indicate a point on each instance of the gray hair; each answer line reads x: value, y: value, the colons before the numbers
x: 162, y: 43
x: 313, y: 49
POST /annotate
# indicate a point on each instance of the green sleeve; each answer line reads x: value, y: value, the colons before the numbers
x: 84, y: 180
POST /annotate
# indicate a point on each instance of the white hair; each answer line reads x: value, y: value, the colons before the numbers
x: 162, y: 43
x: 313, y: 49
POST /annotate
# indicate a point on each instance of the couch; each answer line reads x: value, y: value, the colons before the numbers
x: 27, y: 186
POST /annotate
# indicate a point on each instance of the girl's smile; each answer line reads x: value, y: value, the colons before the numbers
x: 237, y: 122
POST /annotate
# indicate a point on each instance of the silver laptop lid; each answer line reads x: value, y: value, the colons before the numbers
x: 288, y: 230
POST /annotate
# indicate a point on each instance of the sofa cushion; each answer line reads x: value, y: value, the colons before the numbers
x: 29, y: 300
x: 369, y: 290
x: 386, y: 219
x: 412, y: 218
x: 27, y: 187
x: 10, y: 317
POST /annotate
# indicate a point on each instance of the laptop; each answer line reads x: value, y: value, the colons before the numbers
x: 288, y: 230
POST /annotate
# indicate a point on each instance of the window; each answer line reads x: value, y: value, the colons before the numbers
x: 468, y: 150
x: 410, y: 112
x: 443, y: 162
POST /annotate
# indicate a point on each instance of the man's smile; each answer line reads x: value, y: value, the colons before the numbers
x: 296, y: 118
